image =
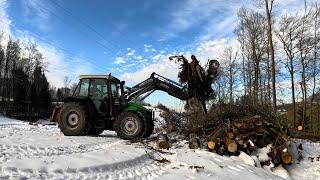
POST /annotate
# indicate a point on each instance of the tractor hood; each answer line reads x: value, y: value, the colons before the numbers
x: 131, y: 106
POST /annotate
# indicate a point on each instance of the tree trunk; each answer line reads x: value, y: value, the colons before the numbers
x: 293, y: 96
x: 303, y: 72
x: 314, y: 74
x: 271, y: 50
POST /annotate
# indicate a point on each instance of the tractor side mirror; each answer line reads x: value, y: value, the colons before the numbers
x: 122, y: 87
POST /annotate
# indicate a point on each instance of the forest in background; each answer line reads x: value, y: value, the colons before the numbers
x: 274, y: 66
x: 24, y: 89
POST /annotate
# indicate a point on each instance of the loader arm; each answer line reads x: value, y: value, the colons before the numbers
x: 157, y: 82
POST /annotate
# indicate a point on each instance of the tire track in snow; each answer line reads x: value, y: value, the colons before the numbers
x: 141, y: 167
x: 8, y: 152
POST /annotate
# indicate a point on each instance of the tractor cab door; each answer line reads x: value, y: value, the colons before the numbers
x: 115, y: 95
x: 98, y: 93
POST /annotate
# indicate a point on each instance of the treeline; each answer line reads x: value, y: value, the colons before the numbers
x: 24, y: 89
x: 277, y: 61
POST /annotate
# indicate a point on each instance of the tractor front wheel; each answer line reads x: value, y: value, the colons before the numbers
x: 129, y: 126
x: 72, y: 121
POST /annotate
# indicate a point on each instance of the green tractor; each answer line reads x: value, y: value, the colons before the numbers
x: 98, y: 103
x: 102, y: 102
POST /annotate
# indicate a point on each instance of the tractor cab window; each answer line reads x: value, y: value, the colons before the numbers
x: 76, y: 91
x: 98, y: 89
x: 83, y: 87
x: 115, y: 89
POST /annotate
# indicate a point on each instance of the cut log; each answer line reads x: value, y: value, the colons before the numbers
x: 274, y: 155
x: 232, y: 147
x: 194, y: 143
x: 286, y: 158
x: 211, y: 145
x: 230, y: 134
x: 240, y: 142
x: 221, y: 150
x: 265, y: 163
x: 163, y: 141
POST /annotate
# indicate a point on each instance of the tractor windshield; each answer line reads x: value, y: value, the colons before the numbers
x: 98, y: 89
x: 82, y: 88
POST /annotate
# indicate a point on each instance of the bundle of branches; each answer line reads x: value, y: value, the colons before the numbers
x: 174, y: 121
x: 197, y: 78
x: 249, y: 135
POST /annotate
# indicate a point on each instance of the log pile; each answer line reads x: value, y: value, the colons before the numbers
x: 249, y: 135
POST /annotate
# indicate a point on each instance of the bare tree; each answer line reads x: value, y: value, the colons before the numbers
x: 269, y: 8
x: 288, y: 36
x: 252, y: 28
x: 66, y: 82
x: 315, y: 58
x: 230, y: 56
x: 304, y: 50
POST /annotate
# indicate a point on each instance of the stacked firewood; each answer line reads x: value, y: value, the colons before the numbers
x: 248, y: 135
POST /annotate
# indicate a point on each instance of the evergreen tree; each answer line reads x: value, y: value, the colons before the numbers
x: 59, y: 94
x: 20, y: 85
x: 40, y: 92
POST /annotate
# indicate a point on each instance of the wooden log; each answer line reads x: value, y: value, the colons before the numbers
x: 211, y: 145
x: 274, y: 155
x: 286, y: 158
x: 230, y: 134
x: 265, y: 163
x: 239, y: 139
x: 240, y: 142
x: 163, y: 141
x: 192, y: 135
x: 221, y: 150
x: 194, y: 143
x: 232, y: 147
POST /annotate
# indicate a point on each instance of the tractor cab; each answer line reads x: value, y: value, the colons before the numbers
x: 104, y: 91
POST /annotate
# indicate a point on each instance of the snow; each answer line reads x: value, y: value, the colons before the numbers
x: 262, y: 153
x: 246, y: 159
x: 40, y: 151
x: 159, y: 122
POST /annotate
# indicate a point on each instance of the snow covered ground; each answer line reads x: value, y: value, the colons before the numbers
x: 40, y: 151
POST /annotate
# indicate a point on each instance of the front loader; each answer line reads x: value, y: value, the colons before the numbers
x: 101, y: 102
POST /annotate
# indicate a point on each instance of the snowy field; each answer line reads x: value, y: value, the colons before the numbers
x: 40, y: 151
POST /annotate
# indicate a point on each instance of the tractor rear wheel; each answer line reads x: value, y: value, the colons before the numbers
x: 72, y: 121
x: 129, y: 126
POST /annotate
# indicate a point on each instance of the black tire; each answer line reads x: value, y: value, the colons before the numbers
x: 129, y: 126
x: 150, y: 128
x: 72, y: 121
x: 95, y: 131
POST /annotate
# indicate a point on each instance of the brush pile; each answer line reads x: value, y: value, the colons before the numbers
x: 250, y: 136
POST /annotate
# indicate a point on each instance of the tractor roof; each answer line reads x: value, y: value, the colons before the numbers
x: 99, y: 77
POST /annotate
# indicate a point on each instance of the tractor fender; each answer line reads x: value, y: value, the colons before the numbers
x: 137, y: 108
